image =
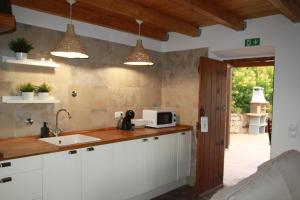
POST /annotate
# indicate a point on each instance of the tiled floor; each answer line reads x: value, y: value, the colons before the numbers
x: 245, y: 153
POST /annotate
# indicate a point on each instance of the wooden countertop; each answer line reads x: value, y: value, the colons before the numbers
x: 29, y: 146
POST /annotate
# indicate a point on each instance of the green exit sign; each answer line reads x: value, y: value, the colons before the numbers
x: 252, y: 42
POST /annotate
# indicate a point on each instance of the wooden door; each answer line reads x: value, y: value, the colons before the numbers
x: 210, y: 143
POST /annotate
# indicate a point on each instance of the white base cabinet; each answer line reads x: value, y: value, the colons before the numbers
x: 97, y: 166
x: 21, y: 179
x: 62, y: 179
x: 117, y: 171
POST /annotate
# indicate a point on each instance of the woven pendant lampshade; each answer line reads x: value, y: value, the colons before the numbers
x: 138, y: 56
x: 69, y: 47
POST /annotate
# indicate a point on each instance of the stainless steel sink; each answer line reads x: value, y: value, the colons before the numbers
x: 69, y: 139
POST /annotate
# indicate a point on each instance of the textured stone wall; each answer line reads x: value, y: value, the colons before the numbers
x: 239, y: 123
x: 103, y: 83
x: 180, y: 88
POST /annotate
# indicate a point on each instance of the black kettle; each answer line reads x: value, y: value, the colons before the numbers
x: 126, y: 122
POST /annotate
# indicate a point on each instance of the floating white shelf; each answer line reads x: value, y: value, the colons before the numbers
x: 19, y: 99
x: 32, y: 62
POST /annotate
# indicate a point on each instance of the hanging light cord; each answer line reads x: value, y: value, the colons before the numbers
x: 71, y: 12
x: 139, y: 23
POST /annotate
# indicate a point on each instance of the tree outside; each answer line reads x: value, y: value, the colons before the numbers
x: 243, y: 81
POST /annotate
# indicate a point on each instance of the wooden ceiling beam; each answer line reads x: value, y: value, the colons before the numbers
x: 289, y: 8
x: 214, y: 12
x: 82, y: 12
x: 137, y: 11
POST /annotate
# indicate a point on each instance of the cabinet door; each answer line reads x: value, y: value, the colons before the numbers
x: 98, y: 173
x: 21, y: 186
x: 62, y: 176
x: 131, y: 165
x: 184, y: 154
x: 164, y: 160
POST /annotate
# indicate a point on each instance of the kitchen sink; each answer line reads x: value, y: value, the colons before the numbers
x: 69, y: 139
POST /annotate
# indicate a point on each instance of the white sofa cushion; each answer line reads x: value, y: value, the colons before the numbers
x: 277, y: 179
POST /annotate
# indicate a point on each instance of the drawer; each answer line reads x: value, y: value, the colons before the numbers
x: 14, y: 166
x: 23, y: 186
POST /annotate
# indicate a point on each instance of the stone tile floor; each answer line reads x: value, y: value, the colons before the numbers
x: 246, y: 152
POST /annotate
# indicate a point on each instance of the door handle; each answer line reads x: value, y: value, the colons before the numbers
x: 202, y: 111
x: 5, y: 180
x: 183, y: 133
x: 73, y: 152
x: 145, y: 140
x: 221, y: 142
x: 90, y: 149
x: 156, y: 138
x: 5, y: 164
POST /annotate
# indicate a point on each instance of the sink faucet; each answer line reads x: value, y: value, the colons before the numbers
x: 57, y: 130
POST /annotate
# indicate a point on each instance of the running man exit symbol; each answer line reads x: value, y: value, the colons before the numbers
x: 252, y: 42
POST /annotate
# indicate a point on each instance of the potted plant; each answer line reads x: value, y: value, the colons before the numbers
x: 27, y: 90
x: 21, y: 47
x: 43, y: 91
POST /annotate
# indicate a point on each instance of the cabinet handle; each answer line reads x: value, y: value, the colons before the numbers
x: 145, y: 140
x: 183, y: 133
x: 156, y: 138
x: 5, y: 164
x: 90, y: 149
x: 73, y: 152
x: 5, y: 180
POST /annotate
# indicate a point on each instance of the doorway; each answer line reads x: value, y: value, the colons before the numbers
x: 213, y: 134
x: 247, y: 136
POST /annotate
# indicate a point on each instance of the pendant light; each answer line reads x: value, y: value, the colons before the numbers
x: 69, y: 46
x: 138, y: 56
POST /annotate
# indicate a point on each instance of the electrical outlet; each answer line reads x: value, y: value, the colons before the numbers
x: 118, y: 114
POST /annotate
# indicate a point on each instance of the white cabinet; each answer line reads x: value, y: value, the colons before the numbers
x: 132, y: 167
x: 116, y: 171
x: 97, y: 165
x: 62, y: 176
x: 21, y: 179
x: 184, y: 154
x: 164, y: 160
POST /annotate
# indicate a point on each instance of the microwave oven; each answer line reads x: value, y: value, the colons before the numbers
x: 159, y: 118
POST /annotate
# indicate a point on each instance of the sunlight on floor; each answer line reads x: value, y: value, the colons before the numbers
x: 245, y: 154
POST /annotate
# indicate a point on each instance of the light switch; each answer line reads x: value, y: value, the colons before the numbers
x: 204, y: 124
x: 293, y: 129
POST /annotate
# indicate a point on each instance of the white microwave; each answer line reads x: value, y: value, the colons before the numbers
x: 159, y: 118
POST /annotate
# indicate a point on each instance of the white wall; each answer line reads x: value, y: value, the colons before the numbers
x: 274, y: 31
x: 36, y: 18
x: 278, y: 32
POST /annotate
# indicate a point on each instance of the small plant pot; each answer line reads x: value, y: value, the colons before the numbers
x: 21, y: 56
x: 43, y: 95
x: 27, y: 95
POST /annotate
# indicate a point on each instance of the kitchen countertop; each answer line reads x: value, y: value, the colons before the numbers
x: 28, y: 146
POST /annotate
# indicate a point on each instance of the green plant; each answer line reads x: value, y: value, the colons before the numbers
x: 26, y: 87
x: 20, y: 45
x: 243, y: 81
x: 44, y: 88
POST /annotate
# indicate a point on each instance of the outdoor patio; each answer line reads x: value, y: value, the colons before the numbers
x: 245, y: 153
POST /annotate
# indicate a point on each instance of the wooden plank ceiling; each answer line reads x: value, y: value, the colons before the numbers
x: 163, y: 16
